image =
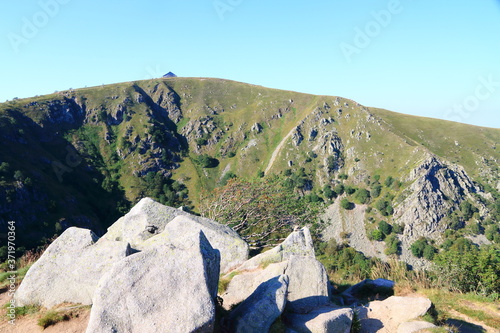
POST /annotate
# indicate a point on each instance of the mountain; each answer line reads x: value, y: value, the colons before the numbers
x: 82, y: 157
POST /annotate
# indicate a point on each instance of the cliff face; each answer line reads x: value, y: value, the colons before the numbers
x: 85, y: 155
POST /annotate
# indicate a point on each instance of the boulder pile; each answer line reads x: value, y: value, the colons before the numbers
x: 160, y: 269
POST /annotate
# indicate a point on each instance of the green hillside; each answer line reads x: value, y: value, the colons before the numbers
x: 83, y: 157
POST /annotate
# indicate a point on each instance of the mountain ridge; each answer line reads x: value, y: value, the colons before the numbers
x: 186, y: 134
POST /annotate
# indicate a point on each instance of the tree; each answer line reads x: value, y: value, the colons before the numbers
x: 328, y: 192
x: 384, y: 207
x: 377, y: 235
x: 349, y: 189
x: 339, y: 189
x: 385, y: 227
x: 346, y: 204
x: 376, y: 190
x: 389, y: 181
x: 417, y: 248
x: 392, y: 245
x: 206, y: 161
x: 362, y: 196
x: 262, y: 211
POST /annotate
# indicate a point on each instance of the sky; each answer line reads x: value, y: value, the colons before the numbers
x: 429, y: 58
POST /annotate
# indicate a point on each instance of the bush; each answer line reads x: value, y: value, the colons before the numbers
x: 206, y: 161
x: 377, y: 235
x: 429, y: 252
x: 376, y: 190
x: 385, y: 227
x: 384, y: 207
x: 51, y: 318
x: 328, y: 192
x: 339, y: 189
x: 346, y: 204
x: 389, y: 181
x: 398, y: 228
x: 362, y: 196
x: 392, y: 245
x: 343, y: 176
x: 422, y: 248
x: 349, y: 190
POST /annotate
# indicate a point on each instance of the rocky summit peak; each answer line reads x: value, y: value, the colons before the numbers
x: 169, y: 74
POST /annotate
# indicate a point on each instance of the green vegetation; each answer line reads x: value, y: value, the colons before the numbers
x: 205, y: 161
x: 51, y: 318
x: 384, y: 207
x: 262, y: 211
x: 422, y: 248
x: 346, y: 204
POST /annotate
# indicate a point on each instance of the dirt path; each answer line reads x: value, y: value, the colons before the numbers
x: 277, y: 150
x: 79, y: 318
x: 466, y: 324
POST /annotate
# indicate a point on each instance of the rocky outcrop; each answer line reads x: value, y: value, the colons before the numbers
x: 70, y: 269
x: 386, y: 316
x: 148, y: 219
x: 326, y: 319
x: 298, y: 242
x: 436, y: 190
x: 352, y: 294
x: 170, y: 287
x: 308, y: 287
x: 257, y: 313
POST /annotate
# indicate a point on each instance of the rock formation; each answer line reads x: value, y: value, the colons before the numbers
x: 149, y: 218
x: 169, y: 281
x: 169, y: 287
x: 70, y: 269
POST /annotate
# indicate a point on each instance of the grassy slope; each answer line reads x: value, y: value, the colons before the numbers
x: 464, y: 144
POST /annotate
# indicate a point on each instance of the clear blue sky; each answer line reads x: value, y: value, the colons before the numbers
x: 438, y: 59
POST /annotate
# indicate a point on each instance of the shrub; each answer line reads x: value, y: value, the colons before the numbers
x: 343, y: 176
x: 376, y: 190
x: 228, y: 175
x: 349, y: 189
x: 346, y: 204
x: 339, y: 189
x: 377, y: 235
x: 385, y: 227
x: 389, y: 181
x: 398, y: 228
x: 422, y: 248
x: 362, y: 196
x: 328, y: 192
x: 384, y: 207
x: 206, y: 161
x: 51, y: 318
x: 392, y: 245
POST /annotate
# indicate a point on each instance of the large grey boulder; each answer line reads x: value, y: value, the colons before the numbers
x: 298, y: 242
x: 353, y: 294
x: 169, y: 287
x: 70, y: 269
x: 149, y: 218
x: 388, y: 315
x: 307, y: 288
x: 258, y: 312
x: 326, y: 319
x: 233, y: 249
